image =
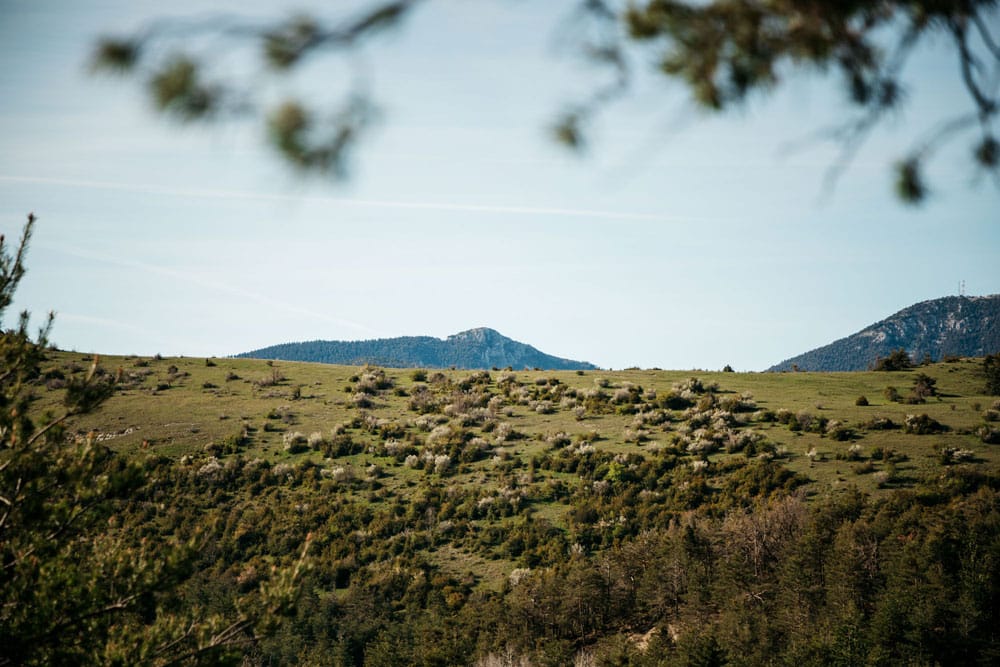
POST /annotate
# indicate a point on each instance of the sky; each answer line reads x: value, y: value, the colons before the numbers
x: 678, y: 240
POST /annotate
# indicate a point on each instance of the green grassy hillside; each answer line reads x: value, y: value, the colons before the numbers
x: 458, y: 517
x: 492, y: 423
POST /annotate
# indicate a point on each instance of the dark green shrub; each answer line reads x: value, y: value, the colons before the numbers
x: 923, y: 425
x: 765, y: 416
x: 861, y: 401
x: 924, y: 386
x: 864, y: 468
x: 841, y: 433
x: 880, y: 424
x: 990, y: 436
x: 898, y: 360
x: 991, y: 367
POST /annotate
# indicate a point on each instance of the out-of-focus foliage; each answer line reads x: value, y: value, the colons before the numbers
x: 84, y: 576
x: 724, y: 52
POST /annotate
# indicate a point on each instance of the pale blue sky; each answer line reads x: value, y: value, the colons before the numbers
x: 678, y: 242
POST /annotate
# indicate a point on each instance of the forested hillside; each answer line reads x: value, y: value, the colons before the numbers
x: 476, y: 349
x: 953, y: 326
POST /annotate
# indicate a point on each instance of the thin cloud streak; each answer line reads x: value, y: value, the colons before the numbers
x: 211, y: 285
x: 105, y: 322
x: 374, y: 203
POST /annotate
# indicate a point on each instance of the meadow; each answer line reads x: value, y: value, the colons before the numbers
x: 520, y: 517
x: 200, y: 407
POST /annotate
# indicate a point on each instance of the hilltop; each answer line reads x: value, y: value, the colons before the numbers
x: 480, y: 348
x: 953, y: 326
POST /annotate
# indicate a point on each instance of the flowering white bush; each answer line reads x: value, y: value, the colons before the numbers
x: 503, y: 431
x: 211, y: 469
x: 517, y: 575
x: 342, y: 474
x: 441, y: 463
x: 439, y: 434
x: 544, y: 407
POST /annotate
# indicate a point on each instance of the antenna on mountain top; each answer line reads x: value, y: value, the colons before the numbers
x: 961, y: 288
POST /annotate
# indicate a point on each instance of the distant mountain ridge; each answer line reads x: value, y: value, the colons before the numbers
x: 965, y: 326
x: 480, y: 348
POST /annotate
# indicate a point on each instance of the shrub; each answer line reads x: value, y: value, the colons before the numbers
x: 804, y: 420
x: 839, y: 432
x: 861, y: 401
x: 419, y: 375
x: 442, y: 462
x: 422, y: 400
x: 341, y: 474
x: 295, y: 442
x: 950, y: 455
x: 991, y: 367
x: 675, y: 400
x: 880, y: 424
x: 887, y: 476
x: 738, y: 403
x: 853, y: 453
x: 990, y: 436
x: 372, y: 381
x: 898, y: 360
x: 276, y: 377
x: 891, y: 394
x: 922, y: 424
x: 864, y: 468
x: 765, y: 416
x: 363, y: 401
x: 924, y: 385
x: 544, y: 407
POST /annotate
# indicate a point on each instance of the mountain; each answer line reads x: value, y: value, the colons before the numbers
x: 476, y: 348
x: 964, y: 326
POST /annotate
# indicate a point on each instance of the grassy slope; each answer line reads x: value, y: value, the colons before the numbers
x: 196, y: 406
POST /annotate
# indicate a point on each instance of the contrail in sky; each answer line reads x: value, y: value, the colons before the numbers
x: 374, y: 203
